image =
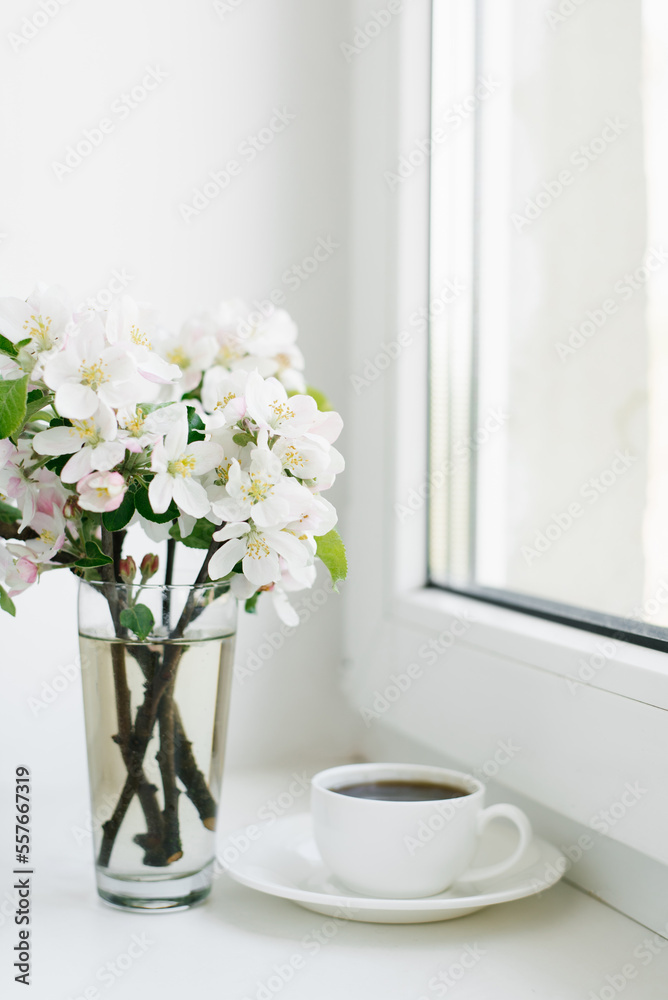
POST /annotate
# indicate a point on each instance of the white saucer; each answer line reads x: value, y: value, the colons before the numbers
x: 284, y: 861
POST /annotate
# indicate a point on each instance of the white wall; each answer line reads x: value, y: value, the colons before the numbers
x: 226, y: 72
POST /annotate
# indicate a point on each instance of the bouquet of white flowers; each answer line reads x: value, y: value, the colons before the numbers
x: 209, y: 439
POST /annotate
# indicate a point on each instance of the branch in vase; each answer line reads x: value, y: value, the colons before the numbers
x: 147, y: 714
x: 187, y: 770
x: 166, y: 759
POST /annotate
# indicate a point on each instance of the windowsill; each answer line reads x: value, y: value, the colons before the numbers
x: 580, y: 657
x: 561, y: 944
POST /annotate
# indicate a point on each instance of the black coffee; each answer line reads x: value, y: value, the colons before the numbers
x: 395, y: 790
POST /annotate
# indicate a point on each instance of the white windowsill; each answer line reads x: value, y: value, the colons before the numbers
x: 561, y: 944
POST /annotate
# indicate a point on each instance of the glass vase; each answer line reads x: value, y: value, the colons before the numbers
x: 156, y: 665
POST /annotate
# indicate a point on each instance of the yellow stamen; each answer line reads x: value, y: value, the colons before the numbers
x: 292, y: 457
x: 257, y: 547
x: 38, y: 328
x: 93, y: 375
x: 282, y: 411
x: 86, y: 430
x: 222, y: 403
x: 183, y: 466
x: 223, y: 473
x: 259, y: 489
x: 177, y: 356
x: 137, y: 337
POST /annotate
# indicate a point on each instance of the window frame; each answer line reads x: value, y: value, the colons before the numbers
x: 390, y: 607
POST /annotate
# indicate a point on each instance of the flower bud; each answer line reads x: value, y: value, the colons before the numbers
x: 127, y: 569
x: 71, y: 508
x: 149, y: 566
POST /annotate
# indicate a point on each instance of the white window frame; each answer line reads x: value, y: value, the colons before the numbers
x: 581, y: 752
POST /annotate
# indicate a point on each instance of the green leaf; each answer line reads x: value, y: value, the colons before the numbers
x: 13, y: 394
x: 7, y: 347
x: 8, y: 514
x: 116, y: 520
x: 243, y: 438
x: 6, y: 603
x: 331, y: 550
x: 35, y: 402
x: 196, y: 431
x: 139, y: 620
x: 57, y: 464
x: 199, y: 537
x: 94, y: 557
x: 143, y: 505
x: 146, y: 408
x: 251, y: 603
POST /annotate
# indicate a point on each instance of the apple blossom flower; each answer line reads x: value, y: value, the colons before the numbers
x: 101, y: 491
x: 141, y: 427
x: 21, y: 481
x: 317, y: 517
x: 223, y: 396
x: 258, y: 550
x: 268, y: 405
x: 43, y: 319
x: 263, y: 492
x: 273, y: 340
x: 92, y: 444
x: 87, y: 370
x: 175, y: 463
x: 133, y: 325
x: 193, y: 351
x: 307, y: 457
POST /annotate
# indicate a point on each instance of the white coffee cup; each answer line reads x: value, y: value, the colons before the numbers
x: 405, y: 850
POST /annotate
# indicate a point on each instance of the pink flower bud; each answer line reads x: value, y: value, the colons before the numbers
x: 128, y: 570
x: 149, y: 566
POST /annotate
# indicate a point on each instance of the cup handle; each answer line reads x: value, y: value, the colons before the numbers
x: 523, y: 825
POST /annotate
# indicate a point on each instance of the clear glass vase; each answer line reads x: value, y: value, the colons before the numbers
x: 156, y: 709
